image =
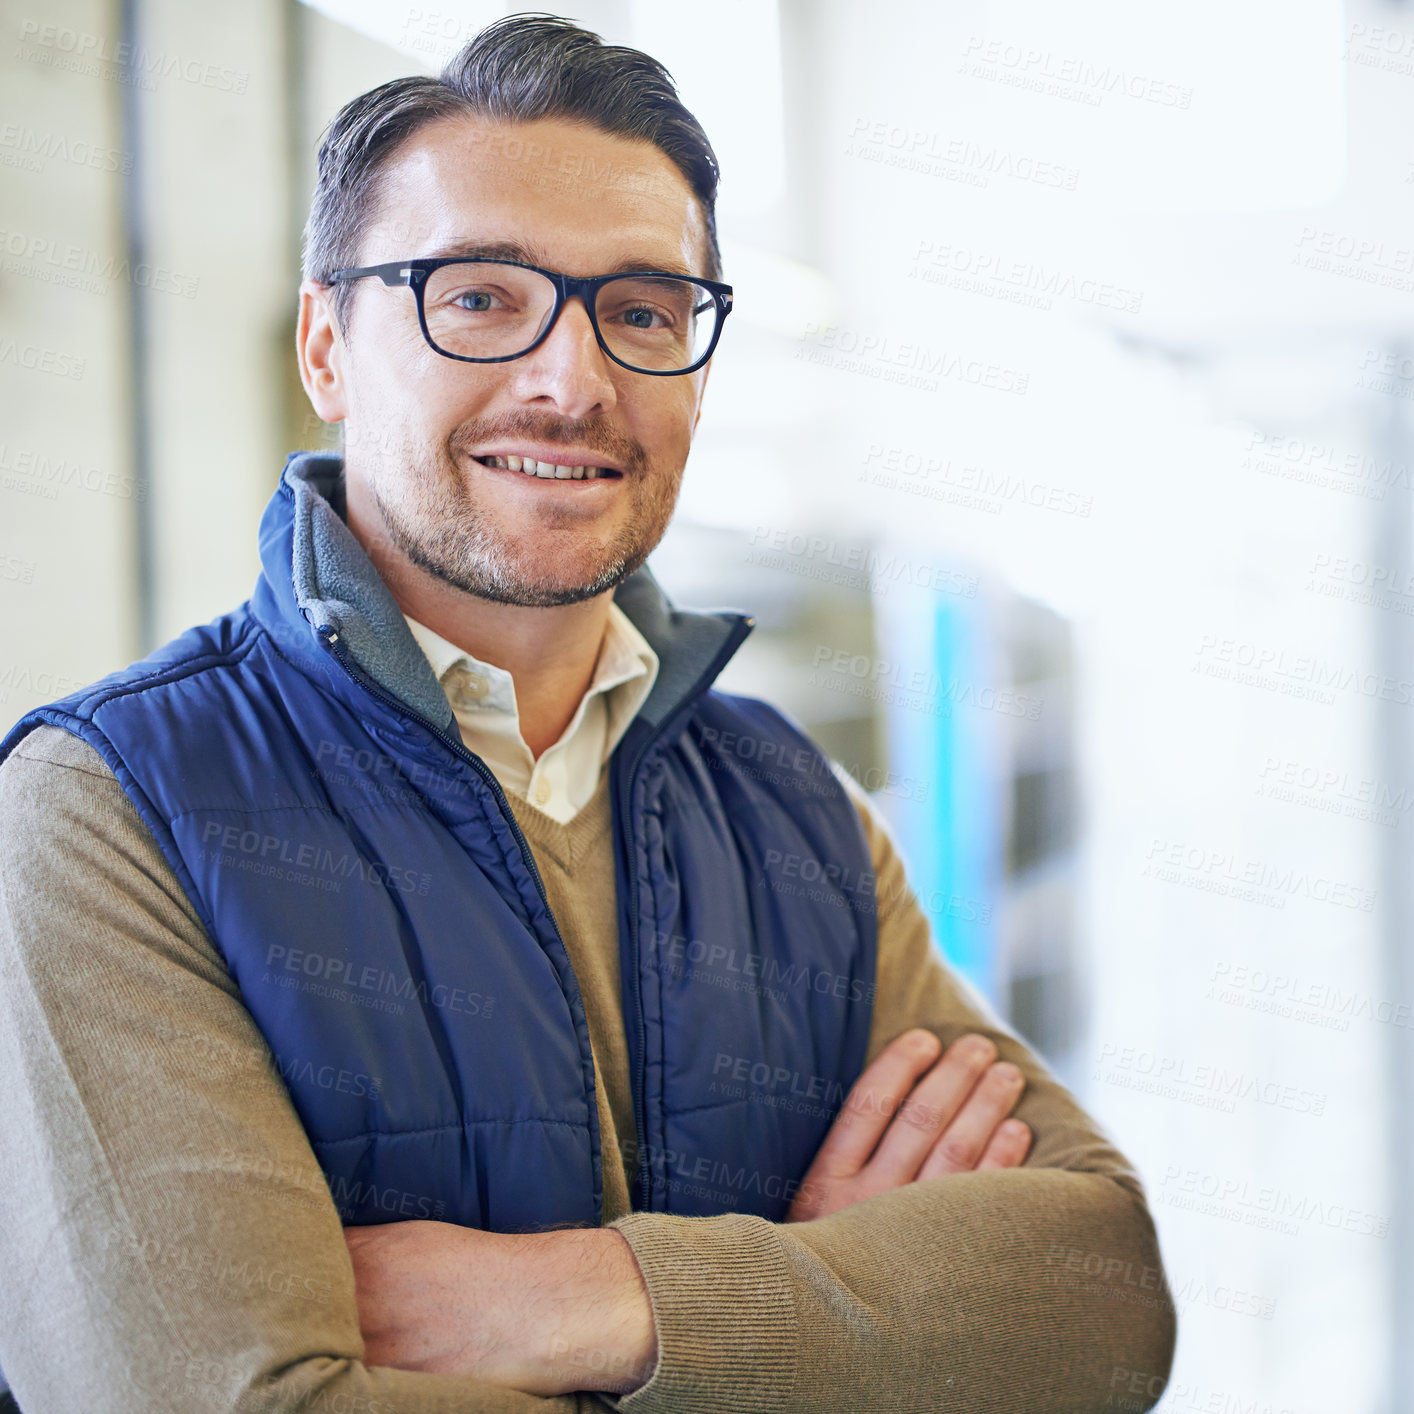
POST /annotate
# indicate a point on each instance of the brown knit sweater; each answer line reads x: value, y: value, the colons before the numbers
x: 167, y: 1243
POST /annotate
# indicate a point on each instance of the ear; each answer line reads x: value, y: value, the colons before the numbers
x: 320, y: 350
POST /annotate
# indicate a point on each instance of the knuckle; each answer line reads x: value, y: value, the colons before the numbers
x: 955, y: 1153
x: 919, y: 1114
x: 974, y: 1050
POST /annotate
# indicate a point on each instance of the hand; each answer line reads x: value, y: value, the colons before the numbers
x: 953, y: 1120
x: 546, y: 1312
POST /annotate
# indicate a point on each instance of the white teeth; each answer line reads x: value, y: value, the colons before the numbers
x: 528, y: 466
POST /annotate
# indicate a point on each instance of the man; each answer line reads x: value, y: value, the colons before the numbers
x: 408, y: 989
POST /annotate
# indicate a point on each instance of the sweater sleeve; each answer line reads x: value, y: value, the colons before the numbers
x: 167, y: 1241
x: 975, y: 1291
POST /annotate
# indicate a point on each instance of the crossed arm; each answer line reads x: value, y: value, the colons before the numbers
x: 434, y: 1296
x: 170, y: 1245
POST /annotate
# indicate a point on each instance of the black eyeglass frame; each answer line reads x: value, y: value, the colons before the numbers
x: 567, y: 287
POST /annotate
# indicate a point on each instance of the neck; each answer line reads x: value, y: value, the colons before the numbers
x: 550, y: 653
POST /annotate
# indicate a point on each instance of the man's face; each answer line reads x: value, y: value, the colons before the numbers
x: 417, y: 424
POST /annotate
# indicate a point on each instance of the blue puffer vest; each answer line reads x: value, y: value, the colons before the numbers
x: 365, y: 881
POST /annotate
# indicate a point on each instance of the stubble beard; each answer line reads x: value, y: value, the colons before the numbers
x: 435, y: 522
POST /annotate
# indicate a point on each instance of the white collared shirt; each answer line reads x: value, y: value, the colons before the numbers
x: 483, y: 697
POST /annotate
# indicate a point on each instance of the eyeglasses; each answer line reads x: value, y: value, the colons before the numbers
x: 488, y: 311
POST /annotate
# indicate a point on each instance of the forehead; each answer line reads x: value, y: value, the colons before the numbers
x: 585, y: 200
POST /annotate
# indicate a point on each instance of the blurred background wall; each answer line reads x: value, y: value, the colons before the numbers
x: 1061, y: 444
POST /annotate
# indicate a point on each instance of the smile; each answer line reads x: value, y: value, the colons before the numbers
x: 528, y: 466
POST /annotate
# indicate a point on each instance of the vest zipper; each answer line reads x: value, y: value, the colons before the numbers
x: 331, y: 640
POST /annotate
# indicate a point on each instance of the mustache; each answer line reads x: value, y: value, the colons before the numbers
x: 553, y: 431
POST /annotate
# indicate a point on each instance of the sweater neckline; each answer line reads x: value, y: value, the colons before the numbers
x: 566, y: 842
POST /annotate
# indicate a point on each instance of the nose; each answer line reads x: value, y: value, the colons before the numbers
x: 569, y: 370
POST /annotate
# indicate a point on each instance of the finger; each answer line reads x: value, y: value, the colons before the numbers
x: 1009, y: 1146
x: 961, y: 1145
x: 927, y: 1113
x: 872, y: 1101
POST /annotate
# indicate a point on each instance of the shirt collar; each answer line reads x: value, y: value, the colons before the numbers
x: 625, y: 657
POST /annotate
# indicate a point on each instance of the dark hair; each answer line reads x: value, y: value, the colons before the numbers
x: 520, y: 68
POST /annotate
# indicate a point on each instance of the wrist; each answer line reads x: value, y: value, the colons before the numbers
x: 604, y: 1337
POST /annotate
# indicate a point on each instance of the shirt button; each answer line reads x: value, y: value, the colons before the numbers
x: 542, y: 791
x: 465, y: 687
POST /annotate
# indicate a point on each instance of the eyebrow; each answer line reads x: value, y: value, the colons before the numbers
x: 529, y: 254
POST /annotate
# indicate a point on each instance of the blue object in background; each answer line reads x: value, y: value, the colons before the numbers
x: 943, y: 750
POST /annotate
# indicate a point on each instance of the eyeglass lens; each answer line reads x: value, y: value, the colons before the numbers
x: 483, y: 309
